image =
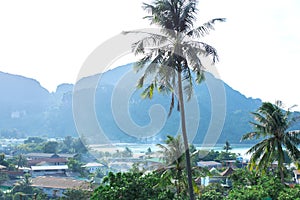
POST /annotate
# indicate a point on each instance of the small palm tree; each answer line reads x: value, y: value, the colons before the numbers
x: 173, y: 155
x: 27, y: 181
x: 172, y: 56
x: 272, y: 126
x: 127, y: 152
x: 227, y: 146
x: 21, y: 161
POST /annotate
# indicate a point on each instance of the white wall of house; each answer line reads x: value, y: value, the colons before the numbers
x: 297, y: 178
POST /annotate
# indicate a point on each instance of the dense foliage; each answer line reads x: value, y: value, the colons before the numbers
x: 272, y: 125
x: 78, y: 194
x: 247, y: 185
x: 128, y: 186
x: 38, y: 144
x: 216, y: 155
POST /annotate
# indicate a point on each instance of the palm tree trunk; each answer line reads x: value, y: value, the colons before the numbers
x: 280, y: 162
x: 281, y: 175
x: 184, y: 134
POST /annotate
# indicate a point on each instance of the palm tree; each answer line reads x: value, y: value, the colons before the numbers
x: 21, y: 161
x: 272, y: 125
x: 227, y: 146
x: 172, y: 55
x: 173, y: 155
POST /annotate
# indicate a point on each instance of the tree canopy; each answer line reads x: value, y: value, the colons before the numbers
x: 272, y: 126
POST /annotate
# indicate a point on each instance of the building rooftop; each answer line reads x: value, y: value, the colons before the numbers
x: 227, y: 172
x: 47, y: 160
x: 49, y: 155
x: 208, y: 163
x: 297, y: 172
x: 49, y: 167
x: 94, y: 164
x: 59, y: 183
x: 2, y: 167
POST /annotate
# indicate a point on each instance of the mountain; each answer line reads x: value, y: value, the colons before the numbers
x: 26, y: 109
x: 117, y: 84
x: 22, y: 104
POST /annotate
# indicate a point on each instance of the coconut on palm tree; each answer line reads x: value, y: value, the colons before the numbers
x: 170, y: 56
x: 273, y: 127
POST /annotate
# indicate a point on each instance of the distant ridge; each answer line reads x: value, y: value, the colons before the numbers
x: 26, y: 109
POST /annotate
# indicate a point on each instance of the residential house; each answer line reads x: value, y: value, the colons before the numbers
x: 50, y: 170
x: 92, y: 167
x: 11, y: 174
x: 209, y: 164
x: 297, y: 176
x: 47, y: 161
x: 229, y: 163
x: 216, y: 177
x: 226, y: 175
x: 227, y: 172
x: 35, y: 159
x: 56, y: 186
x: 34, y: 156
x: 2, y: 168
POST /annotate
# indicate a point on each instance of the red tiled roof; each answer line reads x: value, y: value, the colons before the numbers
x: 59, y: 182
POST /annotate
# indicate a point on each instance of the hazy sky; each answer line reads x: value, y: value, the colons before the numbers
x: 259, y: 45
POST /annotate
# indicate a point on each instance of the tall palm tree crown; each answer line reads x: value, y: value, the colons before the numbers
x: 272, y: 126
x: 172, y: 55
x: 174, y: 49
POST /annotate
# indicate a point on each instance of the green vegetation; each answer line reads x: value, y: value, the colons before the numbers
x: 3, y: 161
x: 78, y: 194
x: 41, y: 145
x: 216, y: 155
x: 3, y: 177
x: 272, y: 126
x: 173, y: 155
x: 51, y: 147
x: 213, y: 191
x: 247, y: 185
x: 128, y: 186
x: 227, y: 146
x: 24, y: 190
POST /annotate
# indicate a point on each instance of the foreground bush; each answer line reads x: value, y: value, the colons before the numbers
x: 131, y: 185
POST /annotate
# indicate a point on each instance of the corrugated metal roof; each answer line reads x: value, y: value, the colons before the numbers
x: 94, y: 164
x: 49, y: 167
